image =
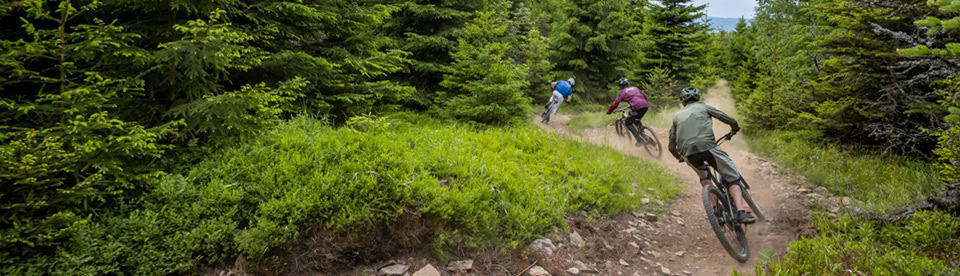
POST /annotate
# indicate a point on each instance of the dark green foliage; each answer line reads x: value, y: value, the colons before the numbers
x: 63, y: 147
x: 596, y: 42
x: 484, y: 85
x: 428, y: 29
x: 675, y: 30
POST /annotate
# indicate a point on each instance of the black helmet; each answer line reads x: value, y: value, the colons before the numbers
x: 689, y: 94
x: 623, y: 82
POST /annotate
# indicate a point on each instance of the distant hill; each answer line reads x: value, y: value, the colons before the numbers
x: 723, y: 23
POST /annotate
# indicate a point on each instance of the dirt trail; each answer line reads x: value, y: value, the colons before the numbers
x: 687, y: 229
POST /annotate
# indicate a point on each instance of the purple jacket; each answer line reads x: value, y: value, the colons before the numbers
x: 632, y: 95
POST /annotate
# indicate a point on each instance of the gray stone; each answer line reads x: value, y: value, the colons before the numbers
x: 573, y: 271
x: 665, y: 271
x: 460, y: 266
x: 584, y: 268
x: 538, y: 271
x: 393, y: 270
x: 645, y: 201
x: 821, y: 190
x: 624, y: 263
x: 650, y: 217
x: 576, y: 240
x: 428, y: 270
x: 680, y: 254
x: 675, y: 213
x: 803, y: 190
x: 543, y: 246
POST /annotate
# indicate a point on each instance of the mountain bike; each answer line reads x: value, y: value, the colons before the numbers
x: 648, y: 138
x: 722, y: 213
x: 545, y: 116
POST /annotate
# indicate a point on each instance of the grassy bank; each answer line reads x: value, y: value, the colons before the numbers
x: 407, y: 181
x: 926, y: 244
x: 879, y: 181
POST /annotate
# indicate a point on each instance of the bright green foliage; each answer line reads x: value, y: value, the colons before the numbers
x: 948, y: 147
x: 879, y: 181
x: 484, y: 85
x: 492, y: 186
x: 63, y: 147
x: 935, y: 25
x: 596, y: 42
x: 662, y: 88
x: 924, y: 244
x: 587, y: 120
x: 675, y: 31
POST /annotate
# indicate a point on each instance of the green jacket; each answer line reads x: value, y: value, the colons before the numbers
x: 692, y: 130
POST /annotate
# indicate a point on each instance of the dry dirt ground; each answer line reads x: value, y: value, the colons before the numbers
x: 681, y: 239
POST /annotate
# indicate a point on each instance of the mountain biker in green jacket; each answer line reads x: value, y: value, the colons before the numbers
x: 692, y: 141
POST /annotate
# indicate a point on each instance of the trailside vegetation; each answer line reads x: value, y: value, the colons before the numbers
x: 861, y: 98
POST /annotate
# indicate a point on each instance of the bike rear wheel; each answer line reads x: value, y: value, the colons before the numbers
x: 729, y: 231
x: 652, y: 145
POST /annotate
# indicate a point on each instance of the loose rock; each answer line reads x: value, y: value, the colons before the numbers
x: 680, y: 254
x: 393, y: 270
x: 428, y: 270
x: 584, y: 268
x: 650, y: 217
x: 645, y: 201
x: 664, y: 270
x: 624, y: 263
x: 460, y: 266
x: 538, y: 271
x: 576, y: 240
x: 573, y: 271
x: 543, y: 246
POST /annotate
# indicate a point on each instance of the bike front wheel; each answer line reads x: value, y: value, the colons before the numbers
x: 652, y: 143
x: 753, y: 205
x: 729, y: 231
x: 620, y: 129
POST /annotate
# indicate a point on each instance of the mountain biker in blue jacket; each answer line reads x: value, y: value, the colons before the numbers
x: 638, y: 106
x: 561, y: 90
x: 692, y: 141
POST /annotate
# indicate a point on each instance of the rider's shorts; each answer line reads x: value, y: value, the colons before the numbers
x: 719, y: 160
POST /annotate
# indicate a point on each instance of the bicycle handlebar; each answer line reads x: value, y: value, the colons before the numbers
x: 725, y: 138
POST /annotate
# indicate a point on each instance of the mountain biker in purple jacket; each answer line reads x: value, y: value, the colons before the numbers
x: 638, y: 106
x: 561, y: 90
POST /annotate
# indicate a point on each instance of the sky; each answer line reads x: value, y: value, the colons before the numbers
x: 729, y: 8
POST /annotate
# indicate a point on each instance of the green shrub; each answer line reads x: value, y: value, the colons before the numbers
x: 922, y: 245
x: 482, y: 188
x: 880, y: 181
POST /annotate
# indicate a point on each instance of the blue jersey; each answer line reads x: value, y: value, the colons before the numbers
x: 564, y: 88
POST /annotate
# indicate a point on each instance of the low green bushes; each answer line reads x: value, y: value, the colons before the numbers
x: 472, y: 188
x: 925, y: 244
x: 880, y: 181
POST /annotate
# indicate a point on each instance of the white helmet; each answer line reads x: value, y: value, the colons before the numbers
x: 571, y: 81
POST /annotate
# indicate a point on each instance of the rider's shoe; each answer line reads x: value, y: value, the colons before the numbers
x: 745, y: 218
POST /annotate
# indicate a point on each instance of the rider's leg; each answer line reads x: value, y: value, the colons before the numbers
x: 640, y: 113
x: 559, y: 98
x: 737, y: 194
x: 631, y: 123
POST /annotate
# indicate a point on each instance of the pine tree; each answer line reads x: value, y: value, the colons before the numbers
x: 596, y: 41
x: 483, y: 84
x: 63, y: 147
x: 675, y: 28
x: 428, y: 29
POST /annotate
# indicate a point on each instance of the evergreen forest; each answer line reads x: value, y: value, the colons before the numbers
x: 180, y: 136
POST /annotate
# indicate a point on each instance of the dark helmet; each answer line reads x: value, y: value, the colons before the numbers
x: 689, y: 94
x: 623, y: 82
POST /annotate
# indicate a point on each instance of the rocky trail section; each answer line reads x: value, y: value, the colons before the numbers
x: 681, y: 242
